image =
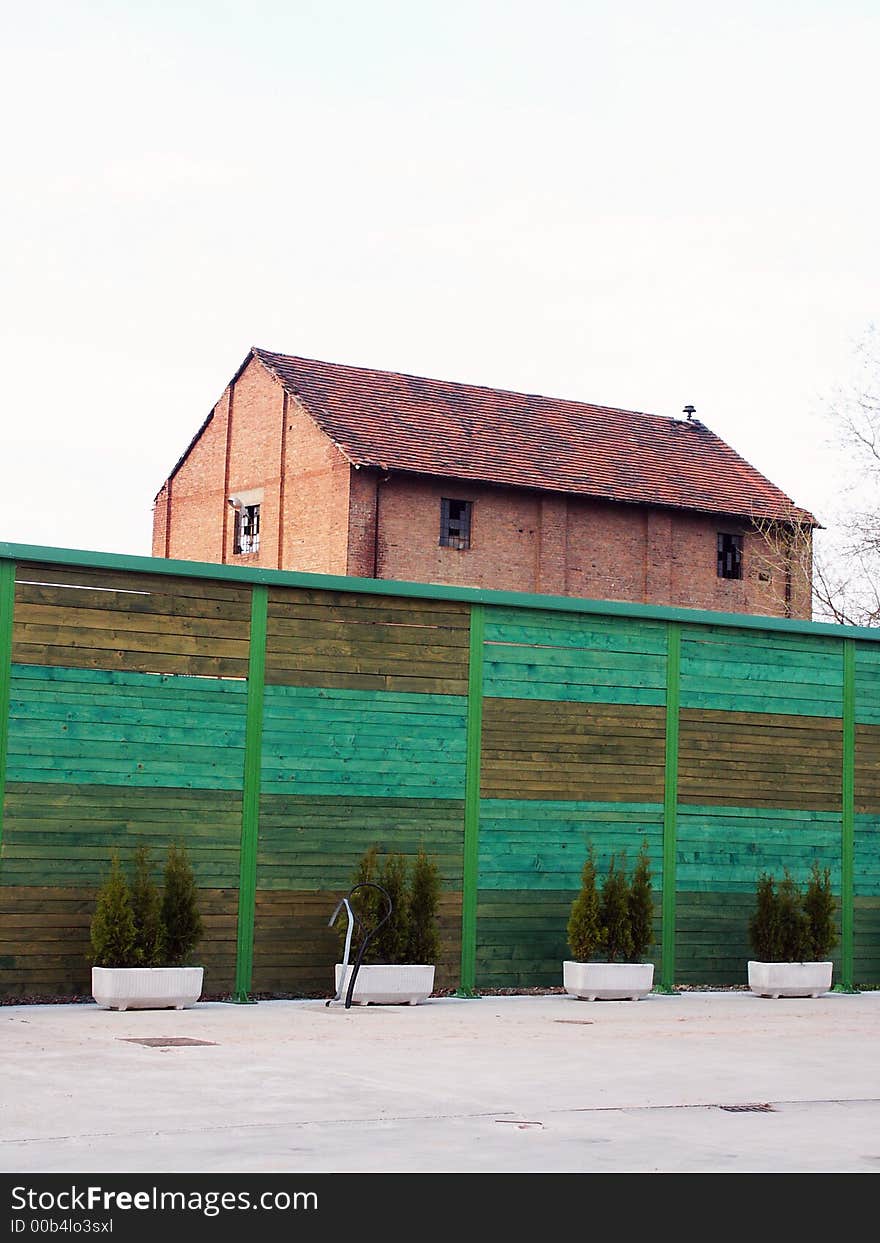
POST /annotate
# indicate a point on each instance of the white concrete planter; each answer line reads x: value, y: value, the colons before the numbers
x: 388, y: 984
x: 790, y: 979
x: 146, y: 988
x: 608, y: 981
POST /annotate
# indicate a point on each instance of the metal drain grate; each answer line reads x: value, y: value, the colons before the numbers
x: 577, y: 1022
x: 163, y: 1042
x: 748, y: 1109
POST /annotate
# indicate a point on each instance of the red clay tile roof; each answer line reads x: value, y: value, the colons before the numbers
x: 434, y: 427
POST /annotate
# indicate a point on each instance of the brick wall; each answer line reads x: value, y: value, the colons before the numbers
x: 303, y: 524
x: 521, y: 541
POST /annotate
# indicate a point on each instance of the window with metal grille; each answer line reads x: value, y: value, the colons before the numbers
x: 455, y: 523
x: 730, y: 555
x: 247, y: 529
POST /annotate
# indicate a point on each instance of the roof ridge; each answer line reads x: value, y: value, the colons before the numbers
x: 464, y: 384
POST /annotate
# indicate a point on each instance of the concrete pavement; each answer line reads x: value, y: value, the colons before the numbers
x: 522, y: 1084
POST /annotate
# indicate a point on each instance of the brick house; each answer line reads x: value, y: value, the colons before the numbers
x: 314, y: 466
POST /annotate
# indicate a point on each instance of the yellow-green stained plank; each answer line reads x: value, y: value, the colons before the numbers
x: 728, y: 758
x: 541, y: 750
x: 391, y: 646
x: 317, y: 843
x: 88, y: 822
x: 140, y: 626
x: 44, y: 931
x: 227, y: 611
x: 143, y: 662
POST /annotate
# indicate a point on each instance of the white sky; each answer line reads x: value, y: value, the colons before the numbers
x: 641, y: 204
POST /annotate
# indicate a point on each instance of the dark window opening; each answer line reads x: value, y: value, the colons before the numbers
x: 247, y: 529
x: 455, y: 523
x: 730, y: 556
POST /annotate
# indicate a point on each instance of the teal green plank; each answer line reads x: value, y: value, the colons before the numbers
x: 670, y: 808
x: 565, y: 693
x: 470, y: 857
x: 7, y: 602
x: 866, y: 856
x: 542, y: 844
x: 250, y: 802
x: 848, y: 813
x: 336, y: 751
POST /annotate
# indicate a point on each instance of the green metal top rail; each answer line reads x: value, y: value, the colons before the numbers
x: 82, y: 559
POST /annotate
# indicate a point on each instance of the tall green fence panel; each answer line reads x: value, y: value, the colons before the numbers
x: 866, y: 862
x: 759, y: 783
x: 363, y: 743
x: 573, y: 753
x: 126, y: 727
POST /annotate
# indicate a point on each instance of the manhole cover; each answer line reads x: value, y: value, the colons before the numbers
x: 163, y: 1042
x: 747, y: 1109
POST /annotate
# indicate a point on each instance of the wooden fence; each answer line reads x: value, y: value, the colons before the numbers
x: 280, y: 723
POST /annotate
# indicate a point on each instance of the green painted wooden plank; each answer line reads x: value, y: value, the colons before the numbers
x: 470, y: 860
x: 847, y: 844
x: 670, y: 806
x: 733, y: 701
x: 571, y: 660
x: 768, y: 673
x: 250, y: 814
x: 7, y: 602
x: 600, y: 639
x: 563, y: 692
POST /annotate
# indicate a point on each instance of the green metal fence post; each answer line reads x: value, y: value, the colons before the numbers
x: 7, y: 597
x: 847, y: 844
x: 250, y: 801
x: 670, y: 806
x: 472, y: 805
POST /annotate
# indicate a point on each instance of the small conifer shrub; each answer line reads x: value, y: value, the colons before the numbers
x: 391, y: 942
x: 789, y: 925
x: 764, y: 930
x: 411, y: 934
x: 615, y: 920
x: 180, y: 919
x: 585, y: 932
x: 424, y: 898
x: 146, y: 904
x: 113, y: 930
x: 133, y: 926
x: 641, y: 907
x: 614, y: 910
x: 792, y: 920
x: 819, y: 908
